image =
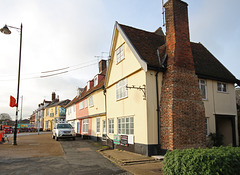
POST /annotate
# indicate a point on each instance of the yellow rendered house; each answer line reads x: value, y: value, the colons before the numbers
x: 54, y: 113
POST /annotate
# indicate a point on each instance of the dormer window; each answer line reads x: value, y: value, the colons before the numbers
x: 88, y: 85
x: 120, y: 53
x: 96, y: 80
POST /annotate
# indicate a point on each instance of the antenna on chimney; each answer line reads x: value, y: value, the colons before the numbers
x: 163, y: 13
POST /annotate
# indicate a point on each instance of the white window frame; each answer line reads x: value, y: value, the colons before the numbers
x: 90, y: 101
x: 121, y: 90
x: 88, y: 85
x: 126, y: 125
x: 85, y: 124
x: 104, y: 126
x: 96, y: 80
x: 85, y: 103
x: 221, y: 88
x: 111, y: 126
x: 74, y: 109
x: 98, y: 125
x: 203, y: 88
x: 81, y: 105
x: 120, y: 53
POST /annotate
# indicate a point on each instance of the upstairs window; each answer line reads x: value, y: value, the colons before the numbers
x: 96, y: 80
x: 90, y: 101
x: 81, y: 105
x: 85, y: 103
x: 88, y: 85
x: 203, y: 89
x: 121, y: 90
x: 120, y: 53
x: 56, y: 110
x: 221, y: 87
x: 47, y: 112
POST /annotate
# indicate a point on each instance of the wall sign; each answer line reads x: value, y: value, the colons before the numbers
x: 124, y: 140
x: 116, y: 139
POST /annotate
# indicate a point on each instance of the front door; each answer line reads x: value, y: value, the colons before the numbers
x: 225, y: 125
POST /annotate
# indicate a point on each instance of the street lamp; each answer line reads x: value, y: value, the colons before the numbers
x: 6, y: 30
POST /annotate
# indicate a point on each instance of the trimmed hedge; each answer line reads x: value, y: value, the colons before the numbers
x: 217, y: 160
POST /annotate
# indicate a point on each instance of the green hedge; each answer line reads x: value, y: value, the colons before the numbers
x: 217, y: 160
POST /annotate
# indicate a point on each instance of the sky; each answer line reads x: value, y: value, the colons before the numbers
x: 76, y: 34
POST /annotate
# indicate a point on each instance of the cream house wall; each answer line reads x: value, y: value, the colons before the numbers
x: 71, y: 112
x: 219, y: 103
x: 98, y: 103
x: 124, y: 68
x: 152, y: 122
x: 133, y: 105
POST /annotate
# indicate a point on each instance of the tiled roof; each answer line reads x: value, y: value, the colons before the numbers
x: 206, y: 65
x: 86, y: 92
x: 60, y: 103
x: 146, y: 44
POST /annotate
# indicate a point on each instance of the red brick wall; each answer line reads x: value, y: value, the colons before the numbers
x: 182, y: 115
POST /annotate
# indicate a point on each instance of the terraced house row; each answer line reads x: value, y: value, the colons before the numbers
x: 157, y: 92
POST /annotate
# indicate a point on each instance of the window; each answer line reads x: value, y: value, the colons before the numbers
x: 203, y: 89
x: 222, y: 87
x: 81, y: 105
x: 85, y: 103
x: 85, y: 126
x: 96, y: 80
x: 46, y: 125
x: 56, y: 110
x: 90, y: 101
x: 88, y: 85
x: 120, y: 53
x: 126, y: 125
x: 104, y: 126
x: 47, y: 112
x: 121, y: 90
x: 73, y: 108
x: 78, y: 127
x: 110, y: 126
x: 98, y: 125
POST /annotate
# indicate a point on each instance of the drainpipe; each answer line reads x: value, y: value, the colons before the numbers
x: 158, y: 109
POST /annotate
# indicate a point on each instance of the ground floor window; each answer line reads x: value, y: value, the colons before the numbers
x: 111, y: 126
x: 78, y: 127
x: 46, y: 125
x: 98, y: 125
x: 85, y: 126
x: 104, y: 126
x: 126, y: 125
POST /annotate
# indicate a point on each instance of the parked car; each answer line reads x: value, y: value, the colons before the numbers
x: 63, y: 130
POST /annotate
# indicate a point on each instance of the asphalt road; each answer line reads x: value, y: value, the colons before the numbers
x: 77, y: 157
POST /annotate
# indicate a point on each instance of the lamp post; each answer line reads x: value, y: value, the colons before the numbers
x: 6, y: 30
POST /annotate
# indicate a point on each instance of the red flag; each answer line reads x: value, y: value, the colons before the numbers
x: 12, y: 102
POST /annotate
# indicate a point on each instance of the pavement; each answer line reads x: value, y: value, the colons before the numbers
x: 81, y: 155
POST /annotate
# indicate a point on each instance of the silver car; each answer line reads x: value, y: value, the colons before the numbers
x: 63, y: 130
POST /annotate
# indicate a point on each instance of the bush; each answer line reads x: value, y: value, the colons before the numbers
x: 219, y: 161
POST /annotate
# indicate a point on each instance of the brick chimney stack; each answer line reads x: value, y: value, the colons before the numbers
x: 102, y: 65
x: 182, y: 115
x: 53, y: 96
